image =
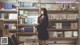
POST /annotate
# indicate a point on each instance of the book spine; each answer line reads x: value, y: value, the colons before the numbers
x: 2, y: 6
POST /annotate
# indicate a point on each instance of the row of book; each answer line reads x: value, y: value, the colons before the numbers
x: 26, y: 12
x: 7, y: 6
x: 8, y: 16
x: 63, y: 16
x: 28, y: 20
x: 59, y: 6
x: 26, y: 4
x: 10, y: 26
x: 64, y: 26
x: 63, y: 34
x: 28, y: 29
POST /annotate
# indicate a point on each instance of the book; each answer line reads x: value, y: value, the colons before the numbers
x: 75, y: 33
x: 6, y: 26
x: 57, y: 16
x: 63, y: 16
x: 12, y: 26
x: 74, y: 25
x: 7, y: 5
x: 22, y: 21
x: 13, y: 16
x: 25, y: 20
x: 28, y: 29
x: 21, y: 12
x: 60, y: 34
x: 75, y: 16
x: 13, y: 6
x: 68, y: 34
x: 25, y: 13
x: 53, y: 16
x: 2, y: 6
x: 21, y: 4
x: 32, y: 19
x: 28, y: 4
x: 2, y: 16
x: 72, y: 16
x: 69, y: 16
x: 58, y: 25
x: 53, y: 34
x: 66, y: 25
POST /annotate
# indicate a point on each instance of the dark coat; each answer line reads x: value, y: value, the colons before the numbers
x: 42, y: 28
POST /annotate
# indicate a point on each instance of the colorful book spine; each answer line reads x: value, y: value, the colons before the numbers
x: 7, y: 6
x: 2, y: 6
x: 28, y: 29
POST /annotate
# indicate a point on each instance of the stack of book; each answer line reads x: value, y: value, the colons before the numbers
x: 23, y: 13
x: 63, y: 16
x: 74, y: 25
x: 26, y: 4
x: 58, y: 25
x: 9, y: 26
x: 3, y: 16
x: 68, y: 34
x: 63, y: 34
x: 63, y: 25
x: 7, y: 6
x: 28, y: 20
x: 66, y: 25
x: 28, y: 29
x: 13, y: 16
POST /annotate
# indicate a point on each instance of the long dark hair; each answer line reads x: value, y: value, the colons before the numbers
x: 45, y: 13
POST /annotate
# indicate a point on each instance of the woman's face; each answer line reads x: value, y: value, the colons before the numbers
x: 42, y: 12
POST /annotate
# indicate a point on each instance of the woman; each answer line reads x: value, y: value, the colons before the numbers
x: 42, y: 27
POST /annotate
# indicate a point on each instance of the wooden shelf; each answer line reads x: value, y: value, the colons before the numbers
x: 62, y: 11
x: 64, y: 38
x: 12, y: 30
x: 8, y: 11
x: 30, y: 9
x: 9, y: 20
x: 65, y: 20
x: 57, y: 38
x: 27, y: 24
x: 50, y: 29
x: 22, y: 16
x: 26, y: 33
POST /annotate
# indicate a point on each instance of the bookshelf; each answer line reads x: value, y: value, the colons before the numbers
x: 8, y: 14
x: 65, y: 16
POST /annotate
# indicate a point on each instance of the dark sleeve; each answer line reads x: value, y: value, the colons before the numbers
x: 45, y: 22
x: 38, y: 20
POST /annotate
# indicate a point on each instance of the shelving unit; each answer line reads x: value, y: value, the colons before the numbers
x: 62, y: 29
x: 33, y: 11
x: 8, y: 11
